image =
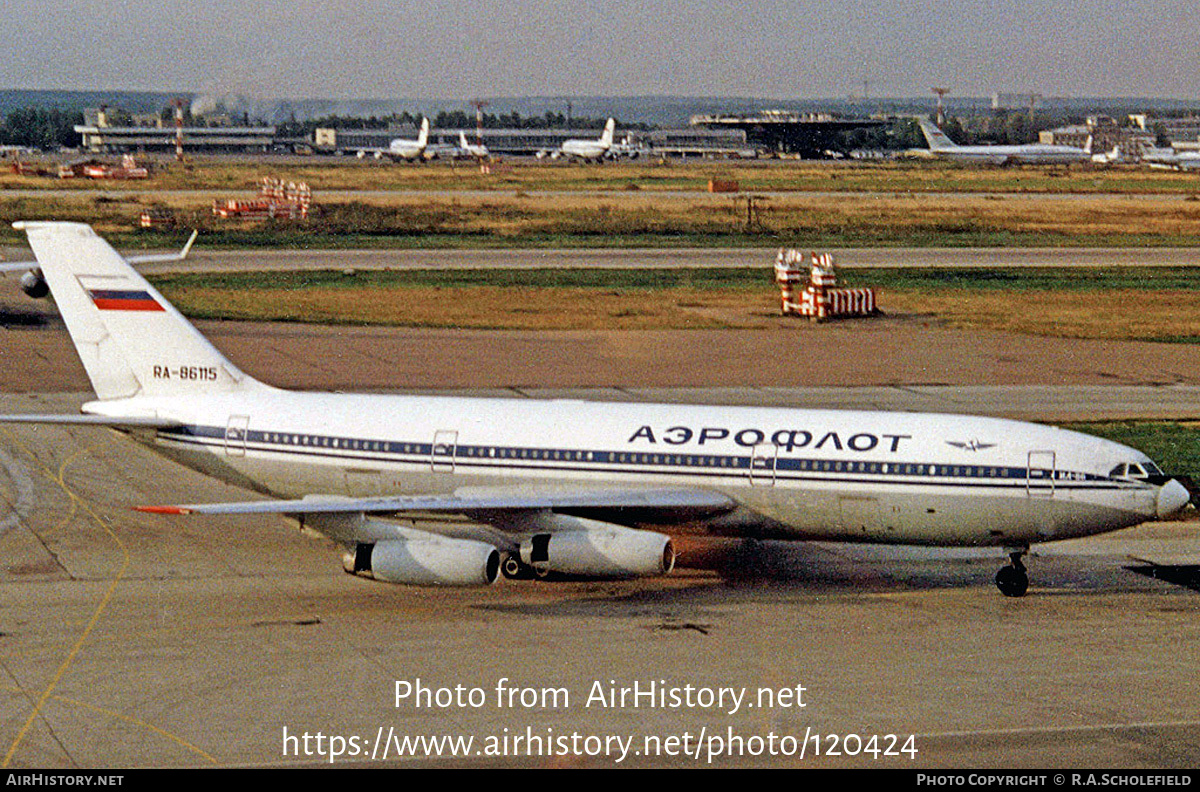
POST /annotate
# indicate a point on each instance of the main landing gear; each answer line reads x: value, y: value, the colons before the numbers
x: 515, y: 569
x: 1012, y: 580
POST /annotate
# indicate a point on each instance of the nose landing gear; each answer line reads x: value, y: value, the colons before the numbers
x: 1012, y: 580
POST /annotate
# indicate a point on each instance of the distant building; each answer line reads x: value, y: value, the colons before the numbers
x: 197, y: 140
x: 693, y: 142
x: 1016, y: 101
x: 1183, y: 134
x: 1105, y: 133
x: 785, y: 131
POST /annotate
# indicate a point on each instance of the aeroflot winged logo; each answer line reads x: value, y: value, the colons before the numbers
x: 970, y: 445
x: 123, y: 300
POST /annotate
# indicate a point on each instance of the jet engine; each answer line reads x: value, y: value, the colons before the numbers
x: 33, y: 284
x: 598, y: 549
x: 436, y: 561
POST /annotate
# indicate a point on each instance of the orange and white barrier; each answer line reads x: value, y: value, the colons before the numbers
x: 276, y: 198
x: 820, y: 298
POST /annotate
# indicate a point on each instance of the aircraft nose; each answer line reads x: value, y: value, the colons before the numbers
x: 1172, y: 497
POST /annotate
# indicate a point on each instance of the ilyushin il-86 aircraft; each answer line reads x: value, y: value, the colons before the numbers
x: 943, y: 147
x: 566, y: 488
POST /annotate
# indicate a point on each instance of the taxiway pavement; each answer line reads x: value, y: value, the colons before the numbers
x: 135, y: 640
x: 203, y: 260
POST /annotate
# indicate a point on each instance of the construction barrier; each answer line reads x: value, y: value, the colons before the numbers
x: 816, y: 282
x: 276, y: 198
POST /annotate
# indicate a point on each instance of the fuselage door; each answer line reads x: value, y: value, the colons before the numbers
x: 235, y: 435
x: 1039, y: 476
x: 763, y: 459
x: 441, y: 457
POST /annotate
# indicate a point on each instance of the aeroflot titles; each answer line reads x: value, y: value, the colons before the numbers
x: 787, y: 439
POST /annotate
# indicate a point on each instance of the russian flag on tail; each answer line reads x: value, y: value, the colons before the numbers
x: 123, y: 300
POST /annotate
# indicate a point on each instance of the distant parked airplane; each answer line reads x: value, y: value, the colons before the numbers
x: 1171, y: 159
x: 466, y: 149
x: 588, y: 148
x: 1027, y: 154
x: 402, y: 148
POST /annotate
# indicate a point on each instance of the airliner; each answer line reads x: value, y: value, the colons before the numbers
x: 587, y: 148
x: 1028, y: 154
x: 402, y: 148
x: 564, y: 487
x: 467, y: 149
x: 1169, y: 158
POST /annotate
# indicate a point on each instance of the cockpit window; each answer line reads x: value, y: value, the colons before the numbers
x: 1144, y: 471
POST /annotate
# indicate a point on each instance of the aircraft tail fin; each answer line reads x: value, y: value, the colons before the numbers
x: 936, y: 138
x: 132, y: 342
x: 423, y: 137
x: 606, y: 139
x: 462, y: 140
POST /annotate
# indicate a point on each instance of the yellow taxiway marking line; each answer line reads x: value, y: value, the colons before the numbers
x: 59, y: 478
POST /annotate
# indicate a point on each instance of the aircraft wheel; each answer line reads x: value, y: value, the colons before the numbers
x: 1012, y: 582
x: 513, y: 569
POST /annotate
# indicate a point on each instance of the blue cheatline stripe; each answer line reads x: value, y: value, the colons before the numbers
x: 477, y: 457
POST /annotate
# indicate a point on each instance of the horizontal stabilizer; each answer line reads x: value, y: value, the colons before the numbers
x: 149, y: 258
x: 154, y: 258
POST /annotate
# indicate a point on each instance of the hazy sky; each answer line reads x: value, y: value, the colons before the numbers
x: 440, y: 49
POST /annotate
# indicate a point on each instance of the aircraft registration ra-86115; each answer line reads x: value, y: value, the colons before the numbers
x: 567, y: 487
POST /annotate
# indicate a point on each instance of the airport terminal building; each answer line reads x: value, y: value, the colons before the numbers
x: 808, y: 135
x: 204, y: 140
x: 151, y: 135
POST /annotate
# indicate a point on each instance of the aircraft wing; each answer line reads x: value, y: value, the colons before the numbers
x: 473, y: 503
x: 116, y: 422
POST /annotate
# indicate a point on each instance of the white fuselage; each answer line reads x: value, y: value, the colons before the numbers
x: 819, y: 474
x: 583, y: 149
x: 401, y: 148
x: 1169, y: 158
x: 1032, y: 154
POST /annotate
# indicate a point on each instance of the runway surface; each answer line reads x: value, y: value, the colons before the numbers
x: 129, y: 639
x: 689, y: 257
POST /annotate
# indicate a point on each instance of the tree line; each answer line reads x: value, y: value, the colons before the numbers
x: 42, y: 128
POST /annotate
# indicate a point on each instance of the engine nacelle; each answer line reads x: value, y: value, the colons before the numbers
x: 598, y: 549
x: 33, y: 284
x: 435, y: 561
